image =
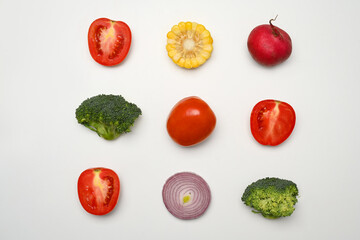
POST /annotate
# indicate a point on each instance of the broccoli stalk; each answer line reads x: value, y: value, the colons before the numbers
x: 107, y: 115
x: 272, y: 197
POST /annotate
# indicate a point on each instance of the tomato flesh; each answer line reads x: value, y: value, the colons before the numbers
x: 109, y: 41
x: 190, y: 121
x: 98, y: 190
x: 272, y: 122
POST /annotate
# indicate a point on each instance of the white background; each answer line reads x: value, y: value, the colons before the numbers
x: 46, y: 71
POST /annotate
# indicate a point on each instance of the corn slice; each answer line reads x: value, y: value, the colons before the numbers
x: 189, y: 44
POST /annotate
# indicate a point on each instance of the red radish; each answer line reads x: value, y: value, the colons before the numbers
x: 269, y: 45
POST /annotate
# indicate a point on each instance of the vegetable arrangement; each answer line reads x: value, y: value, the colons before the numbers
x: 186, y: 195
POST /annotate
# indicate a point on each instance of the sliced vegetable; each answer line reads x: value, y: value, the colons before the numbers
x: 98, y: 190
x: 189, y: 44
x: 109, y: 41
x: 272, y: 122
x: 186, y: 195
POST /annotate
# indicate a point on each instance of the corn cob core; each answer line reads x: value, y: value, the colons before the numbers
x: 189, y: 44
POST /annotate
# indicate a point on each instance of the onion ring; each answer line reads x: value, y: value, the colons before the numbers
x: 186, y: 195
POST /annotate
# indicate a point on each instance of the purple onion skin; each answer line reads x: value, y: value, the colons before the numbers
x: 186, y: 195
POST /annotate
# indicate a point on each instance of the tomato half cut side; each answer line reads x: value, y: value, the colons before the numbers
x: 98, y: 190
x: 109, y: 41
x: 272, y: 122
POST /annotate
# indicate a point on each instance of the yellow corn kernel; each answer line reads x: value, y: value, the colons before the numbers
x: 171, y: 35
x: 205, y: 54
x: 194, y: 62
x: 187, y: 63
x: 194, y: 25
x: 181, y: 62
x: 188, y: 26
x: 172, y: 53
x: 207, y: 40
x: 170, y: 47
x: 176, y: 57
x: 200, y: 59
x: 205, y: 34
x: 171, y: 41
x: 182, y: 27
x: 208, y: 47
x: 200, y: 28
x: 175, y: 29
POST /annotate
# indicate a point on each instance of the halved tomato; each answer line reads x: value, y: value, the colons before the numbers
x: 272, y: 122
x: 98, y: 190
x: 109, y: 41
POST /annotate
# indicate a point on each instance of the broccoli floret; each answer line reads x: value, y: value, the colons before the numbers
x: 108, y: 115
x: 272, y: 197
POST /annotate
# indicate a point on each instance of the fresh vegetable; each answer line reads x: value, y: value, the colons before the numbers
x: 272, y: 197
x: 190, y: 121
x: 189, y: 44
x: 98, y: 190
x: 269, y: 45
x: 272, y: 122
x: 107, y: 115
x: 186, y: 195
x: 109, y: 41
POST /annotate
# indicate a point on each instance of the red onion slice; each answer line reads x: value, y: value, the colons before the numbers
x: 186, y: 195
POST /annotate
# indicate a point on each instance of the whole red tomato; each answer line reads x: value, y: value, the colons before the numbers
x: 190, y: 121
x: 109, y: 41
x: 98, y: 190
x: 272, y: 122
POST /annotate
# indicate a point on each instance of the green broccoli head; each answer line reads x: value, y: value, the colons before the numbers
x: 108, y: 115
x: 272, y: 197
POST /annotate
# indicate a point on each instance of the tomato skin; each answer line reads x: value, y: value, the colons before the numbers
x: 109, y: 41
x: 98, y: 190
x: 272, y: 122
x: 190, y: 121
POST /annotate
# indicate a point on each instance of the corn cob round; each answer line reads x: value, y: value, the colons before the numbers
x: 189, y: 44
